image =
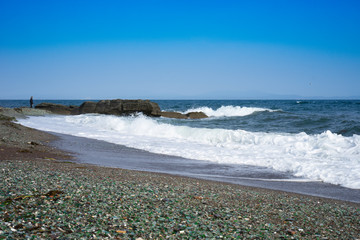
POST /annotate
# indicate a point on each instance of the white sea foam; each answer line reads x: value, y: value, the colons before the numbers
x: 327, y: 157
x: 229, y: 111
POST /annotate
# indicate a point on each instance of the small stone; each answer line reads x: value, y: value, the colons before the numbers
x: 19, y: 226
x: 290, y: 232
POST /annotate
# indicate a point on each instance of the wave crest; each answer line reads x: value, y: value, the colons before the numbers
x: 229, y: 111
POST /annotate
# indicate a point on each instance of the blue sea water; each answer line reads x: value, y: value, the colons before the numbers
x: 290, y: 116
x: 317, y: 140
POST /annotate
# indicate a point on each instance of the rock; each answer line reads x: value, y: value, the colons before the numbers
x: 290, y: 232
x: 34, y: 143
x: 32, y: 111
x: 54, y: 193
x: 191, y: 115
x: 55, y: 108
x: 121, y: 107
x: 74, y: 110
x: 155, y: 109
x: 173, y: 115
x: 144, y: 106
x: 113, y: 107
x: 196, y: 115
x: 103, y: 107
x: 87, y: 107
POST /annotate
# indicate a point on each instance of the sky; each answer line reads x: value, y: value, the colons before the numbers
x: 184, y: 49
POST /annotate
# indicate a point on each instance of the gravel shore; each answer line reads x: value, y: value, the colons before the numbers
x: 43, y: 197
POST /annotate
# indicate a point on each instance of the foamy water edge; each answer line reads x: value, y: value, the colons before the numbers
x: 324, y: 157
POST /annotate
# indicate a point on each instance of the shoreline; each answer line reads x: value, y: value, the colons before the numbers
x: 101, y: 153
x: 117, y: 203
x: 43, y: 145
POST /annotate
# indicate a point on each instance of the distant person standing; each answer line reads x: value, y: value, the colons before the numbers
x: 31, y: 102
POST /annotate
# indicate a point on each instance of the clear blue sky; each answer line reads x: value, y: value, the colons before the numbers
x: 179, y: 49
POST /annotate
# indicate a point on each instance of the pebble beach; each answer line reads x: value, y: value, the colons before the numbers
x: 44, y: 195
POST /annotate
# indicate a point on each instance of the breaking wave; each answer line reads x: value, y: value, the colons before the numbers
x: 229, y: 111
x: 328, y: 157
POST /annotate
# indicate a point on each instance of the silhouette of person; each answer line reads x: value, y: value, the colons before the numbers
x: 31, y: 102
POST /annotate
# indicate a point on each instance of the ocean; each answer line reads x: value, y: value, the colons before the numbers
x: 315, y: 140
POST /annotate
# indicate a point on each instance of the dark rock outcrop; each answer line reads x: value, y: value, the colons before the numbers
x: 190, y: 115
x: 121, y: 107
x: 57, y: 108
x: 196, y: 115
x: 118, y: 107
x: 87, y: 107
x: 173, y: 115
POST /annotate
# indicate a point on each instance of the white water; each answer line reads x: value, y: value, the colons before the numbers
x: 327, y: 157
x: 229, y: 111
